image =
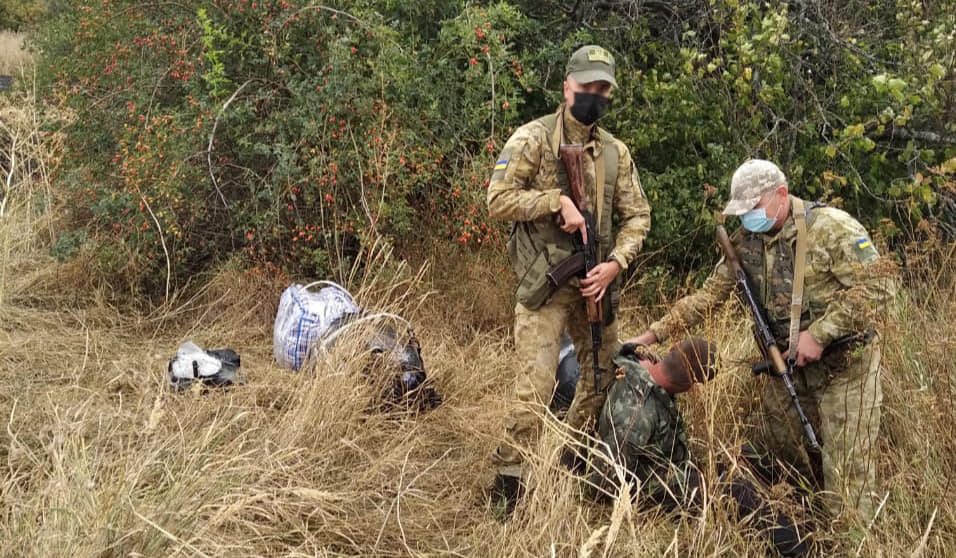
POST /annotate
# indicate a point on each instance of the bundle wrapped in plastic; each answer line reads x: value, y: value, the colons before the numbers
x: 308, y: 324
x: 213, y: 368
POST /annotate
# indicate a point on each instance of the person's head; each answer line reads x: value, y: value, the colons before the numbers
x: 759, y: 195
x: 689, y: 362
x: 588, y: 82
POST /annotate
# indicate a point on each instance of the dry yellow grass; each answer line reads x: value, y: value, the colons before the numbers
x: 13, y: 57
x: 99, y: 458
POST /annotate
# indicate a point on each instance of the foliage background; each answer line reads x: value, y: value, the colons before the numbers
x: 325, y: 154
x: 290, y: 134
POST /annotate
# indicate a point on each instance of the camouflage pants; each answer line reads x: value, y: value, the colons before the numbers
x: 537, y: 344
x: 842, y: 398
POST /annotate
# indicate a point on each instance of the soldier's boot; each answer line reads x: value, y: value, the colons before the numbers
x: 505, y: 492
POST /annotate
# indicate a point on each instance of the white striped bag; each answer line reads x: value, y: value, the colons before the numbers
x: 304, y: 317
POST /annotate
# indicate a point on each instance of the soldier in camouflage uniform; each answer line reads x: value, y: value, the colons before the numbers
x: 640, y: 426
x: 530, y: 188
x: 641, y: 429
x: 839, y: 389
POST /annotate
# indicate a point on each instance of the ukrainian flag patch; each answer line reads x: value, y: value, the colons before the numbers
x: 865, y: 252
x: 502, y: 164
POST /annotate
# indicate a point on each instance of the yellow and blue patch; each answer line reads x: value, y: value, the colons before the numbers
x: 865, y: 252
x: 502, y: 164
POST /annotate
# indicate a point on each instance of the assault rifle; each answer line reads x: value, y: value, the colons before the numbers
x: 571, y: 156
x: 840, y: 343
x: 763, y: 334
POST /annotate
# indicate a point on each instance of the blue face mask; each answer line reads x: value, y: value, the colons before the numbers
x: 756, y: 220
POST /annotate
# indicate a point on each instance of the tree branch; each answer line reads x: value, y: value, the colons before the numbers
x: 212, y: 137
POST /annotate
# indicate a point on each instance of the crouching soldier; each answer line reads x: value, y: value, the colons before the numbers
x: 819, y: 308
x: 641, y: 430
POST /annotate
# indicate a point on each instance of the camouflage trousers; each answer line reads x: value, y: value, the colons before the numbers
x: 537, y: 345
x: 842, y: 398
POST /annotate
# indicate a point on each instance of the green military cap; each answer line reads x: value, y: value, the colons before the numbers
x: 750, y: 182
x: 591, y: 63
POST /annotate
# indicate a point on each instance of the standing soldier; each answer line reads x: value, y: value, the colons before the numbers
x: 530, y: 187
x: 838, y: 383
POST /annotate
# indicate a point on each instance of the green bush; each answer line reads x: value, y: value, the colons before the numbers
x: 294, y: 134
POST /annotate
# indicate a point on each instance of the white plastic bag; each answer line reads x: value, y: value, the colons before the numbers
x: 304, y: 317
x: 192, y: 363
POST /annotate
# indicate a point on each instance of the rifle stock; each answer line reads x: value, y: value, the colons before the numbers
x: 571, y: 155
x: 763, y: 334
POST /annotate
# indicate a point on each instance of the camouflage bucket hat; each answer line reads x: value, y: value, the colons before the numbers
x: 752, y: 180
x: 591, y: 63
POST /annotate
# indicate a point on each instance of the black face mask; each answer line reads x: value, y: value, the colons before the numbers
x: 588, y: 107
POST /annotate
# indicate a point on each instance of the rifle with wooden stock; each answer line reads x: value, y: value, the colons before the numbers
x: 571, y: 156
x: 763, y: 333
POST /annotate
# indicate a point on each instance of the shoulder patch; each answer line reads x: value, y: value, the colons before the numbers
x: 864, y: 250
x: 501, y: 165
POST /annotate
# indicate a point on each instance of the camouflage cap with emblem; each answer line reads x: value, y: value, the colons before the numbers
x: 750, y: 182
x: 591, y: 63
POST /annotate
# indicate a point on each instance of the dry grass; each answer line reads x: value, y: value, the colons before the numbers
x: 98, y: 458
x: 13, y: 57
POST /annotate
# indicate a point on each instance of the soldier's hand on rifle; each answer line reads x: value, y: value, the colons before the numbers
x: 598, y: 279
x: 570, y: 219
x: 808, y: 350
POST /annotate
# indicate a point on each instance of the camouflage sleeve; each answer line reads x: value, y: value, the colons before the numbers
x: 632, y: 209
x: 511, y: 192
x: 691, y: 310
x: 868, y: 287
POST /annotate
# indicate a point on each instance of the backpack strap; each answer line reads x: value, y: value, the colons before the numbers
x: 799, y: 269
x: 605, y: 170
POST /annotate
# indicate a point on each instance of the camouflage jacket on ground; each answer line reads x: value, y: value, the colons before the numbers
x: 840, y: 293
x: 524, y: 185
x: 642, y: 430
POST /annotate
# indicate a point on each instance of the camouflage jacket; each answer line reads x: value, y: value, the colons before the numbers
x: 840, y: 294
x: 642, y: 430
x: 524, y: 185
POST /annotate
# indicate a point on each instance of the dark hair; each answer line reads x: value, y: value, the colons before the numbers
x: 692, y: 360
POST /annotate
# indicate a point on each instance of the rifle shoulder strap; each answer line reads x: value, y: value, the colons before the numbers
x: 605, y: 170
x: 605, y: 166
x: 799, y: 269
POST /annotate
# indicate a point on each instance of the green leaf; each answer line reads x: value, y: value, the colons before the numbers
x: 831, y: 151
x: 879, y: 82
x: 949, y: 167
x: 853, y: 131
x: 937, y: 70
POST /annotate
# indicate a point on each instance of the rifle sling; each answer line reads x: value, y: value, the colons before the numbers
x: 799, y: 269
x: 599, y: 194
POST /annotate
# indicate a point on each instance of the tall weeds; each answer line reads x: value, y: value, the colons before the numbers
x: 99, y: 458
